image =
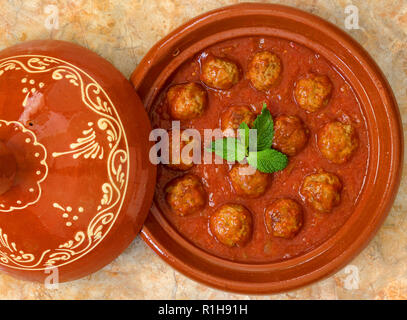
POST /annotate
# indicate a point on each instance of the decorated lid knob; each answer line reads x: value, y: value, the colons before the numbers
x: 76, y: 182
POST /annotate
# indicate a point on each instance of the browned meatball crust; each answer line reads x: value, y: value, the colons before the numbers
x: 235, y: 115
x: 178, y: 160
x: 284, y: 218
x: 219, y: 73
x: 313, y: 92
x: 290, y: 135
x: 322, y: 191
x: 231, y: 224
x: 264, y: 70
x: 186, y: 101
x: 185, y: 195
x: 337, y: 141
x: 251, y: 185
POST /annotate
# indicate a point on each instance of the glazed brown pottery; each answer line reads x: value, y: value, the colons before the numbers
x: 385, y: 144
x: 75, y: 181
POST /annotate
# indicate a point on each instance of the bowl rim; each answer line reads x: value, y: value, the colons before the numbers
x: 390, y: 189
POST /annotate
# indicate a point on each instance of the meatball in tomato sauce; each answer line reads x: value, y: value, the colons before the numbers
x: 313, y: 92
x: 322, y: 191
x: 264, y: 70
x: 186, y: 195
x: 235, y: 115
x: 290, y: 135
x: 284, y: 218
x: 186, y: 101
x: 231, y: 225
x: 219, y: 73
x: 178, y: 160
x: 337, y: 141
x: 247, y: 181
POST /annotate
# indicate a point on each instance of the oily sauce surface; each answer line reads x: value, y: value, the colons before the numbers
x: 297, y: 60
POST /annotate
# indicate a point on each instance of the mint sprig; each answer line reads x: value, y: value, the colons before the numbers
x: 230, y: 149
x: 244, y: 134
x: 265, y: 129
x: 259, y: 155
x: 268, y: 160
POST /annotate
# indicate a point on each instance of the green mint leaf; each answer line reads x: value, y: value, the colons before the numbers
x: 240, y: 152
x: 268, y: 160
x: 265, y: 129
x: 243, y: 132
x: 229, y: 149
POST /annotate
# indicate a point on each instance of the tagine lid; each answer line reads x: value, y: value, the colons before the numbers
x: 76, y: 183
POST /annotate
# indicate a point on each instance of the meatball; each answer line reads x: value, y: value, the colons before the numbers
x: 284, y: 218
x: 177, y: 160
x: 235, y: 115
x: 313, y: 92
x: 231, y: 224
x: 247, y: 181
x: 337, y: 141
x: 290, y: 135
x: 264, y: 70
x: 322, y: 191
x: 186, y: 101
x: 219, y: 73
x: 186, y: 195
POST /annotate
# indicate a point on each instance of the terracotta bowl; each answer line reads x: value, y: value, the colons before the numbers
x: 385, y: 139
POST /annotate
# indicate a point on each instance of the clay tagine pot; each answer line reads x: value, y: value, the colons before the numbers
x: 76, y: 182
x: 385, y: 140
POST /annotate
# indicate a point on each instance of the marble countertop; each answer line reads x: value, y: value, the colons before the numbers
x: 122, y: 32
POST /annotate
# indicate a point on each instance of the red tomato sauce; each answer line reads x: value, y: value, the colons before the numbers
x: 297, y: 60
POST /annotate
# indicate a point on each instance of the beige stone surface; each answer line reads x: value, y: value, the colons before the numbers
x: 122, y: 32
